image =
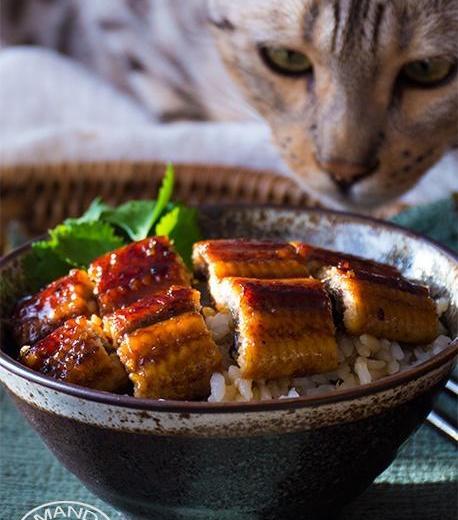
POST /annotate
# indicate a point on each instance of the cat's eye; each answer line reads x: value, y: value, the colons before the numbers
x: 286, y: 61
x: 428, y: 73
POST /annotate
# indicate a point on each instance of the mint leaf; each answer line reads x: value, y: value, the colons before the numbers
x: 93, y: 212
x: 43, y: 265
x: 181, y: 226
x: 164, y: 195
x: 80, y: 243
x: 133, y: 217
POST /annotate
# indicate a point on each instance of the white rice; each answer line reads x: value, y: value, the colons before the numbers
x: 362, y: 360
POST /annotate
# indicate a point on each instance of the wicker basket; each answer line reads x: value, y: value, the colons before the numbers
x: 38, y: 197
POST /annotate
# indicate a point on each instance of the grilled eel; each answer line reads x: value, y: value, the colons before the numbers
x: 316, y: 258
x: 369, y: 297
x: 132, y: 272
x: 152, y: 315
x: 373, y: 298
x: 154, y: 308
x: 284, y: 326
x: 383, y: 305
x: 38, y: 315
x: 165, y: 345
x: 77, y: 352
x: 217, y: 259
x: 171, y: 359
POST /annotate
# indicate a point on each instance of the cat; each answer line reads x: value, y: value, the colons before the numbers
x: 361, y: 95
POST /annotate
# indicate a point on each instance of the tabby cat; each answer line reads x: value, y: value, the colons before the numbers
x: 361, y: 95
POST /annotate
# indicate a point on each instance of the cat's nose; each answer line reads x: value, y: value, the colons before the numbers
x: 346, y: 174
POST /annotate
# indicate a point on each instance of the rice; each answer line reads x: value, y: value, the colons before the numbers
x: 362, y: 360
x: 219, y: 324
x: 442, y: 305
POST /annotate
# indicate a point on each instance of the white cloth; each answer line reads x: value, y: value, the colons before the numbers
x: 52, y: 109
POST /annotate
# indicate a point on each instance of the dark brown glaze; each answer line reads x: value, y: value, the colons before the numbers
x: 38, y: 315
x: 152, y: 309
x: 271, y: 295
x: 172, y: 359
x: 134, y: 271
x: 361, y: 268
x: 156, y: 343
x: 76, y: 353
x: 382, y: 306
x: 393, y: 282
x: 247, y: 258
x: 246, y: 250
x: 285, y: 328
x: 317, y: 257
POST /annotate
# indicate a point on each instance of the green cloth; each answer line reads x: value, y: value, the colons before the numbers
x: 438, y: 220
x: 421, y: 483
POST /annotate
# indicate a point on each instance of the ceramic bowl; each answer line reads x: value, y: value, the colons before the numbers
x: 293, y: 458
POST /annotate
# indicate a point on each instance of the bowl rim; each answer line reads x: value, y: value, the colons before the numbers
x: 165, y: 405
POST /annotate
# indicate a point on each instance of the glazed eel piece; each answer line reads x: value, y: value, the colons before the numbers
x: 373, y: 298
x: 165, y: 345
x: 316, y: 258
x: 218, y: 259
x: 59, y: 340
x: 153, y: 317
x: 37, y: 316
x: 368, y: 298
x: 384, y: 306
x: 132, y: 272
x: 154, y: 327
x: 77, y: 352
x: 284, y: 326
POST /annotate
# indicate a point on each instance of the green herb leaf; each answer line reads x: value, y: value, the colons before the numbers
x: 137, y: 217
x: 133, y: 217
x: 78, y: 241
x: 78, y: 244
x: 43, y: 265
x: 70, y: 245
x: 181, y: 226
x: 164, y: 195
x: 92, y: 214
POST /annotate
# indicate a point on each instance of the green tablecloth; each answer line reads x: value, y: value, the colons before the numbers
x: 421, y: 484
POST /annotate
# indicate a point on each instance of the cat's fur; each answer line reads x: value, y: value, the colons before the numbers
x: 352, y: 117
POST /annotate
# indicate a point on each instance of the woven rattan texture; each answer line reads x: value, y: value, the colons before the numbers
x: 41, y: 196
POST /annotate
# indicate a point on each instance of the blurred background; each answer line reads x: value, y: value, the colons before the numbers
x: 84, y: 112
x: 96, y: 95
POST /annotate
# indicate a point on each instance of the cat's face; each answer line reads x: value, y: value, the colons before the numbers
x: 361, y: 95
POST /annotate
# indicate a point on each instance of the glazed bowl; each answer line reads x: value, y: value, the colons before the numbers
x: 281, y: 459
